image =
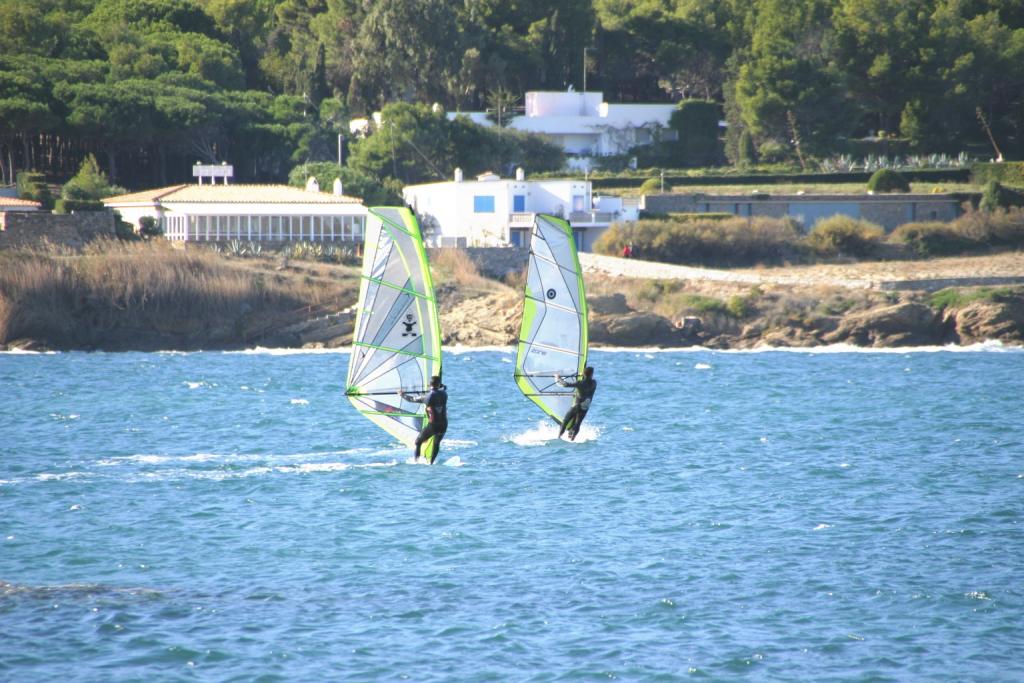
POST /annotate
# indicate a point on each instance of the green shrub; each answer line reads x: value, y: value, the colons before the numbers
x: 773, y: 151
x: 72, y: 205
x: 843, y: 235
x: 1006, y: 172
x: 704, y: 304
x: 684, y: 217
x: 722, y: 243
x: 90, y: 183
x: 651, y: 186
x: 746, y: 149
x: 124, y: 230
x: 150, y: 227
x: 32, y: 185
x: 887, y: 180
x: 739, y: 306
x: 696, y: 123
x: 933, y: 239
x: 951, y: 297
x: 993, y: 197
x: 653, y: 290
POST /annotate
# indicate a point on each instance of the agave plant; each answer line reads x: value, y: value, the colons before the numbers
x: 235, y: 248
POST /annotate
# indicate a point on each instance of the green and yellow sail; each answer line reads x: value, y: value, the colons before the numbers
x: 396, y: 345
x: 553, y: 338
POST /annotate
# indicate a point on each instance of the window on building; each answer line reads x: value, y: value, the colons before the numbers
x: 577, y: 202
x: 579, y: 236
x: 519, y: 203
x: 483, y: 204
x: 519, y: 237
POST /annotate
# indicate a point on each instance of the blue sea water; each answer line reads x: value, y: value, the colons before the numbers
x: 774, y: 516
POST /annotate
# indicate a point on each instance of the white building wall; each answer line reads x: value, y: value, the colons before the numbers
x: 235, y: 220
x: 448, y: 211
x: 561, y: 103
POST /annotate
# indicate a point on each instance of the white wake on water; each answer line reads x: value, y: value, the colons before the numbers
x: 545, y: 431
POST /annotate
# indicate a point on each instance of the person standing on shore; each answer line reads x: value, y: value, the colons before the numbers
x: 582, y: 396
x: 437, y: 416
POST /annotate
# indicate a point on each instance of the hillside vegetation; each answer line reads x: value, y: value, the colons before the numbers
x: 151, y: 86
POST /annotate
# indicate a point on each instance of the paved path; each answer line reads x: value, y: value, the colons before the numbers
x: 932, y: 275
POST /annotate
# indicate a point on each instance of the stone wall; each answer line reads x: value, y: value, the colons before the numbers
x: 494, y: 262
x: 889, y: 211
x: 34, y: 228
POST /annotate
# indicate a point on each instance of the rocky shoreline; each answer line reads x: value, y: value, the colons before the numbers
x: 624, y: 312
x: 492, y: 321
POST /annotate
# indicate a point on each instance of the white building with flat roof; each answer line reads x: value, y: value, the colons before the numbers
x: 494, y: 211
x: 583, y: 124
x: 258, y: 213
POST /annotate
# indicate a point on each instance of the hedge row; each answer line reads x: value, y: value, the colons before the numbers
x: 741, y: 242
x: 72, y: 205
x: 950, y: 175
x: 1006, y: 172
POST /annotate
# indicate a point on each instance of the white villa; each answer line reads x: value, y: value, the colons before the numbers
x: 260, y: 213
x: 490, y: 211
x: 582, y: 123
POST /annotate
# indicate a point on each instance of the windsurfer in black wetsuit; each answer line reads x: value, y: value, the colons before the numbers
x: 437, y: 416
x: 582, y: 396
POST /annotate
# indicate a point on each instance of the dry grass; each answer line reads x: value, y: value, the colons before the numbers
x: 455, y: 267
x: 774, y: 305
x: 113, y: 290
x: 710, y: 242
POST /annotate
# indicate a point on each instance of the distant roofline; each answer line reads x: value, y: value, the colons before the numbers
x: 166, y: 195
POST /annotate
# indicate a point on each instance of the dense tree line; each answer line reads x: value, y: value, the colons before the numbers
x: 150, y: 86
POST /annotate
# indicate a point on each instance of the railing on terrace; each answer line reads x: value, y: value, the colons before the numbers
x: 591, y: 216
x: 521, y: 218
x: 526, y: 219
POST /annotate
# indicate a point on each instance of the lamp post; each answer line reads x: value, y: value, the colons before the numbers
x: 340, y: 138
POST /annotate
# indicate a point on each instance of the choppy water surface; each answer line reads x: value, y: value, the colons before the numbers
x: 759, y: 516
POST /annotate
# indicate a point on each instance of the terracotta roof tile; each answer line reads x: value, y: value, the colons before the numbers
x: 14, y: 201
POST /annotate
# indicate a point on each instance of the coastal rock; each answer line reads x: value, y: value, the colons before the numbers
x: 491, y: 320
x: 984, y: 320
x: 634, y: 329
x: 613, y: 304
x: 788, y: 337
x: 905, y: 324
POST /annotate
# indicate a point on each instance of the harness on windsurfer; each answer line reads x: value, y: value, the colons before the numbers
x: 436, y: 424
x: 583, y: 394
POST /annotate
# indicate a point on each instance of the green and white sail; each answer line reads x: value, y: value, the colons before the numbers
x: 396, y: 344
x: 553, y: 338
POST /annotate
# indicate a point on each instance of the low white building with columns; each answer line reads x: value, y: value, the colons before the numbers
x: 492, y: 211
x: 257, y: 213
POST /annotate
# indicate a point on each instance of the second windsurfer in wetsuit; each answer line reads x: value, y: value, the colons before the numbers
x: 582, y: 396
x: 437, y: 416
